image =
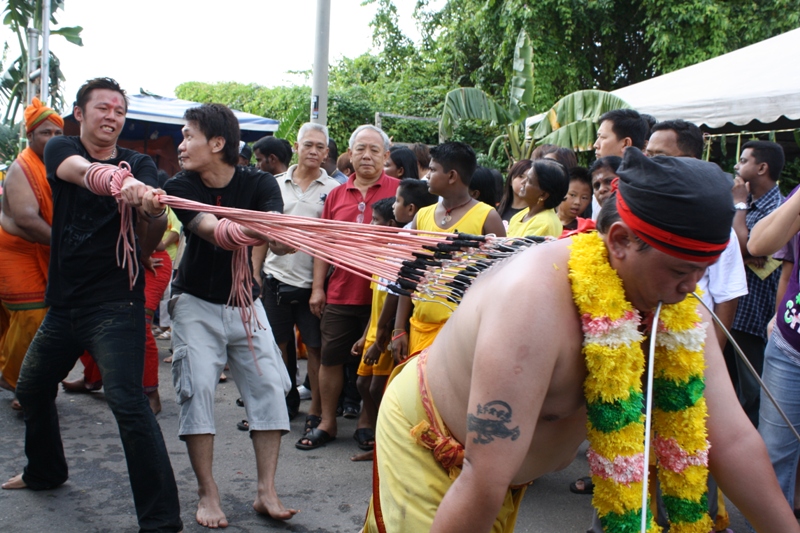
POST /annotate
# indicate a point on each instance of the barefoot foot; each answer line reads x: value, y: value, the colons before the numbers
x: 209, y: 512
x: 270, y: 505
x: 15, y: 483
x: 79, y: 385
x: 366, y: 456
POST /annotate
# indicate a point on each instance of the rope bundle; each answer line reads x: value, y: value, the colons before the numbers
x: 106, y: 180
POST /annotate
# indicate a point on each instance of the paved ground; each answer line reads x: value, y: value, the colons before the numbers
x: 331, y: 491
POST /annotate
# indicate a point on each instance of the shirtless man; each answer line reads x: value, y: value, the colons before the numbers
x: 515, y: 342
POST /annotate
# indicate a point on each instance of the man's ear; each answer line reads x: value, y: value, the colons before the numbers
x: 217, y: 144
x: 77, y: 112
x: 619, y: 239
x: 627, y: 141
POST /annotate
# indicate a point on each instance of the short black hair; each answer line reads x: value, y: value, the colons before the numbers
x: 456, y: 156
x: 770, y: 153
x: 217, y: 120
x: 404, y: 158
x: 627, y: 123
x: 690, y: 137
x: 333, y: 150
x: 385, y: 208
x: 415, y: 192
x: 651, y: 121
x: 85, y: 92
x: 611, y: 162
x: 553, y: 178
x: 271, y: 145
x: 484, y: 180
x: 580, y: 174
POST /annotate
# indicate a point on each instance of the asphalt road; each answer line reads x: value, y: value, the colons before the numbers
x: 331, y: 491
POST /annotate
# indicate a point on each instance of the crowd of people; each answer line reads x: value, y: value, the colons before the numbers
x: 460, y: 409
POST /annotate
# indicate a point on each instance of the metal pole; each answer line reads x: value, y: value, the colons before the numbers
x: 45, y: 79
x: 33, y: 49
x: 319, y: 85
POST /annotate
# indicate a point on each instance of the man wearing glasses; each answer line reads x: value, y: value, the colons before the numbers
x: 344, y: 307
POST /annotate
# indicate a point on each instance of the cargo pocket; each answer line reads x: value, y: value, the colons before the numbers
x: 182, y: 374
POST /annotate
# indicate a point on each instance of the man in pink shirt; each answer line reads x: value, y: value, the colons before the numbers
x: 344, y: 308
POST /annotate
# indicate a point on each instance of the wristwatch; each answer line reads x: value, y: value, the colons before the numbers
x: 741, y: 206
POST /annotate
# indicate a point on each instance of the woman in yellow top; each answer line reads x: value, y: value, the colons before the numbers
x: 544, y: 188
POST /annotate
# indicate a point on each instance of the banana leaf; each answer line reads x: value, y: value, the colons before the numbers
x: 577, y: 107
x: 470, y: 103
x: 579, y: 135
x: 521, y: 92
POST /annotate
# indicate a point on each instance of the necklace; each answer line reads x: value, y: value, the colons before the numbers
x: 112, y: 156
x: 446, y: 218
x: 613, y: 388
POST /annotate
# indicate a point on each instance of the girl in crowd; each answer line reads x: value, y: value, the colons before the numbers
x: 401, y: 163
x: 544, y: 188
x: 512, y: 203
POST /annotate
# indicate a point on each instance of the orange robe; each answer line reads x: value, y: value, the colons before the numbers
x: 23, y: 275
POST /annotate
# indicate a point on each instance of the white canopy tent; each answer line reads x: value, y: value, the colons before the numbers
x: 758, y: 82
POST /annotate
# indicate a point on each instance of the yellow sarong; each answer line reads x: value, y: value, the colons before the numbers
x: 410, y: 481
x: 15, y: 341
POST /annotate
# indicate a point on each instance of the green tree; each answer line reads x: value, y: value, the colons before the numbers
x: 19, y: 15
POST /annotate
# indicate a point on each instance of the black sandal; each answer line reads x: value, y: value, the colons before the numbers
x: 312, y: 421
x: 243, y: 425
x: 316, y: 438
x: 365, y: 437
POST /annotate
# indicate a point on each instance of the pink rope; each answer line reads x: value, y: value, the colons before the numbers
x: 229, y: 236
x: 106, y: 180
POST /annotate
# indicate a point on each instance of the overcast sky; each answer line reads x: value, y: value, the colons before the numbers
x: 159, y: 44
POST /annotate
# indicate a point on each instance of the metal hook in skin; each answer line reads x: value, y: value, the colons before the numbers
x: 648, y: 409
x: 749, y: 366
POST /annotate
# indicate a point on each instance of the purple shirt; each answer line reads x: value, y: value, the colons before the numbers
x: 788, y: 320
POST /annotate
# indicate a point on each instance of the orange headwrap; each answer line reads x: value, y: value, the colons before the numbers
x: 36, y: 113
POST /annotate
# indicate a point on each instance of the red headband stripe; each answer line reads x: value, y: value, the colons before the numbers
x: 665, y: 241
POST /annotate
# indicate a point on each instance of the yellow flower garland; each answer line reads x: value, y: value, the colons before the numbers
x: 615, y: 363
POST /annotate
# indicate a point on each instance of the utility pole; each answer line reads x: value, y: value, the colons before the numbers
x: 32, y: 71
x: 319, y: 84
x: 45, y: 64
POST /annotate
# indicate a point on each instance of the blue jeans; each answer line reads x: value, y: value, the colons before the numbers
x: 782, y: 377
x: 113, y: 333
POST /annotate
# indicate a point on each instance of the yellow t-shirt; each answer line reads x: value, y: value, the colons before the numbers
x: 544, y: 224
x: 472, y: 222
x: 173, y: 224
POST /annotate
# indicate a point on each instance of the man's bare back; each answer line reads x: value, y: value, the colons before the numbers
x: 531, y: 296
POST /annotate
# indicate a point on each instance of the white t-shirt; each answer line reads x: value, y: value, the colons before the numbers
x: 725, y: 279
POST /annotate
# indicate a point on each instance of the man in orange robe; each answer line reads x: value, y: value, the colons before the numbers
x: 25, y: 242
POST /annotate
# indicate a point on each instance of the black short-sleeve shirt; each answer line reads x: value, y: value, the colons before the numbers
x: 83, y: 251
x: 205, y: 270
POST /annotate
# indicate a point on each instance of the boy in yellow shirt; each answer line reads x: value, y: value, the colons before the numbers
x: 451, y: 168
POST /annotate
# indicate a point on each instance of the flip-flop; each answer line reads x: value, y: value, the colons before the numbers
x: 240, y: 402
x: 317, y: 437
x: 15, y: 405
x: 365, y: 437
x: 588, y: 486
x: 243, y: 425
x: 312, y: 421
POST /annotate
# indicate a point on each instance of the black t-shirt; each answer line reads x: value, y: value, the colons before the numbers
x: 205, y: 270
x: 83, y: 251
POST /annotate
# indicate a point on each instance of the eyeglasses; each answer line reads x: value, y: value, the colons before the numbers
x: 361, y: 207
